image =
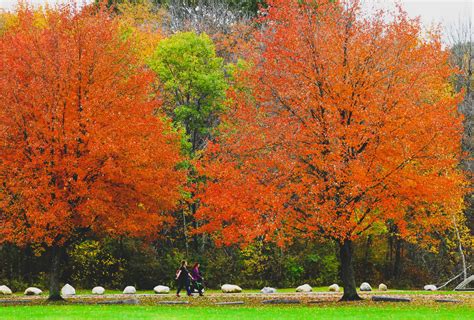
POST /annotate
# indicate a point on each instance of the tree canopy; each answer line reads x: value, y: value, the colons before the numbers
x: 344, y: 124
x: 192, y: 82
x: 137, y: 133
x: 81, y: 148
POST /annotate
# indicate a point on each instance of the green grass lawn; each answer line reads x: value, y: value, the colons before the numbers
x: 342, y: 311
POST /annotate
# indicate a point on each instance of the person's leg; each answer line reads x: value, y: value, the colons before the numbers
x: 199, y: 287
x: 188, y: 289
x: 180, y: 286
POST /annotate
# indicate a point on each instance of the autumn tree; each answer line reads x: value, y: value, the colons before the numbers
x: 342, y: 123
x: 141, y: 23
x: 462, y: 56
x: 7, y: 19
x: 81, y: 149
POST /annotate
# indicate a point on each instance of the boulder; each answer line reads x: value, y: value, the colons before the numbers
x: 33, y: 291
x: 161, y: 289
x: 129, y: 290
x: 304, y: 288
x: 365, y: 286
x: 98, y: 290
x: 267, y: 290
x: 5, y: 290
x: 430, y: 287
x: 383, y: 287
x: 68, y: 290
x: 231, y: 288
x: 334, y: 288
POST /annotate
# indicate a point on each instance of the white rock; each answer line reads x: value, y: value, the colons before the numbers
x: 231, y: 288
x: 304, y: 288
x: 334, y: 288
x: 268, y: 290
x: 33, y: 291
x: 98, y: 290
x: 365, y: 287
x: 383, y: 287
x: 161, y: 289
x: 68, y: 290
x: 5, y: 290
x: 430, y: 287
x: 129, y: 290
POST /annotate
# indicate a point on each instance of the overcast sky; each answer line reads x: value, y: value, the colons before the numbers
x: 446, y: 12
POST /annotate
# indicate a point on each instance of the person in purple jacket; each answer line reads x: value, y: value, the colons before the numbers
x: 197, y: 278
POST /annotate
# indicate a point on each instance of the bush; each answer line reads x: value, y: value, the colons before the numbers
x: 92, y: 264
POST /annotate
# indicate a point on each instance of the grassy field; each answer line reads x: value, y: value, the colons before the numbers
x: 83, y: 306
x: 343, y: 311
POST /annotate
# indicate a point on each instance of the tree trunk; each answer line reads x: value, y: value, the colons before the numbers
x: 193, y: 209
x: 347, y: 272
x: 185, y: 232
x: 461, y: 251
x: 367, y: 269
x: 397, y: 265
x: 54, y: 291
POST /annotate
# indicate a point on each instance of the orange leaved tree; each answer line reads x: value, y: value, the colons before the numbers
x: 80, y: 148
x: 341, y: 123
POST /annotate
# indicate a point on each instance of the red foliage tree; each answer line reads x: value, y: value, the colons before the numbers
x: 80, y: 147
x: 342, y: 123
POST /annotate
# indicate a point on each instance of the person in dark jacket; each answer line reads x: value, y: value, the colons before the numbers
x: 183, y: 278
x: 197, y: 278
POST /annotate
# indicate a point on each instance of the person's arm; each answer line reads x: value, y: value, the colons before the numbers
x: 187, y: 271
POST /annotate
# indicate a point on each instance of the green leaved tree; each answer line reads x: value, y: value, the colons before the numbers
x: 192, y: 85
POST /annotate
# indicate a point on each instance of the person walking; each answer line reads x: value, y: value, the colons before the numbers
x: 182, y: 277
x: 197, y: 278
